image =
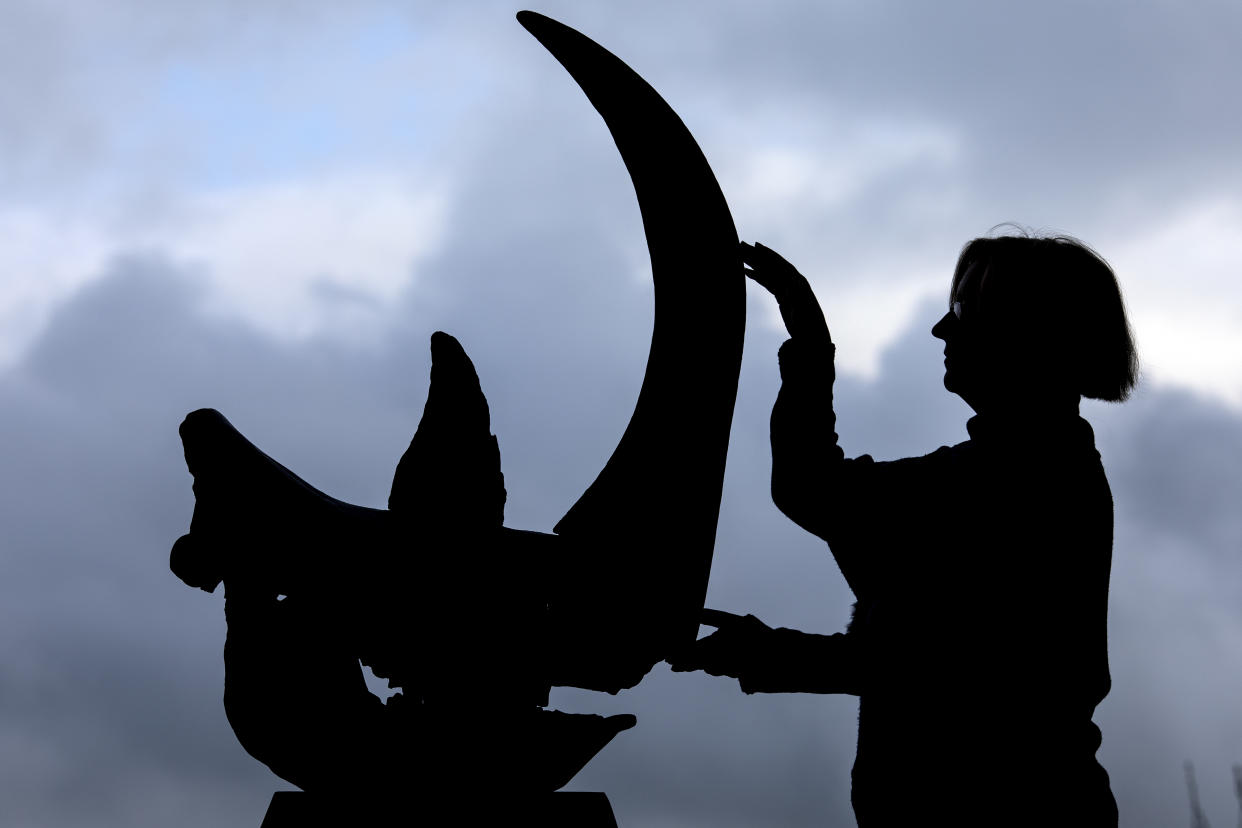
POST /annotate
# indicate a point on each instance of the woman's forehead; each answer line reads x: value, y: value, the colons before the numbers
x: 968, y: 282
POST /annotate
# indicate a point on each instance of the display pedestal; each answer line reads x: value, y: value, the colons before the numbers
x: 564, y: 809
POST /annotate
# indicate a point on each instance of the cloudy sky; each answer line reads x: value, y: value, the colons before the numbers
x: 267, y: 207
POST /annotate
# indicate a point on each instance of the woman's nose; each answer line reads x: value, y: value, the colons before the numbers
x: 943, y: 328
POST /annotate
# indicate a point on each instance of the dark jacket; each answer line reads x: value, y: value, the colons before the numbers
x: 979, y: 643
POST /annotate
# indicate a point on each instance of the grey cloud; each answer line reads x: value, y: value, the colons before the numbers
x: 1121, y: 104
x: 1182, y: 476
x: 1060, y: 97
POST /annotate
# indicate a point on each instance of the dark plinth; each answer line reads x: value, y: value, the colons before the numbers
x: 564, y: 809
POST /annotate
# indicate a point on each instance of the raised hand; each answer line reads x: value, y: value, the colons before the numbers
x: 799, y: 308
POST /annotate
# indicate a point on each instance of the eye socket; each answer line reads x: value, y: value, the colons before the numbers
x: 957, y: 309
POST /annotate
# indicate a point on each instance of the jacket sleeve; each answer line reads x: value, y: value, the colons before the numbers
x: 811, y: 476
x: 870, y: 513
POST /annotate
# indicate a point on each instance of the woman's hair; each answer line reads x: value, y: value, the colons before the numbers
x: 1061, y: 301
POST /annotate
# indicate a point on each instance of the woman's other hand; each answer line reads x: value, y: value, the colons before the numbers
x: 735, y: 649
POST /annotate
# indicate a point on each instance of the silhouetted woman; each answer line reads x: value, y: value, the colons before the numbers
x: 978, y: 645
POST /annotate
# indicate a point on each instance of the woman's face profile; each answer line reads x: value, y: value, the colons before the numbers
x: 959, y: 329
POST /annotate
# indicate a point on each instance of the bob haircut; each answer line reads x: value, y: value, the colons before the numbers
x: 1059, y: 300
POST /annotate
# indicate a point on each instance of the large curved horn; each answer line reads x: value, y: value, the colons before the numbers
x: 647, y: 525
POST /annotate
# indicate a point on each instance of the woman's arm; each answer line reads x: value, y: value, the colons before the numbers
x: 805, y: 456
x: 867, y: 512
x: 804, y: 442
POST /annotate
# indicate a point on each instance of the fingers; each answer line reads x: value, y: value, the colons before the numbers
x: 758, y: 256
x: 687, y: 658
x: 715, y: 655
x: 726, y: 652
x: 770, y: 269
x: 718, y: 618
x: 759, y: 273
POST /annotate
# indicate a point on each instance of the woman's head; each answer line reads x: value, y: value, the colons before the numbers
x: 1042, y: 314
